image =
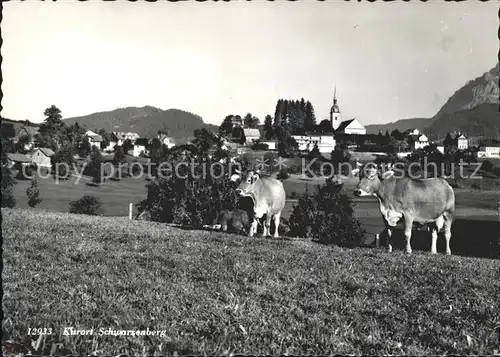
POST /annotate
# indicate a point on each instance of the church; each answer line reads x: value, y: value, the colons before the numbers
x: 351, y: 126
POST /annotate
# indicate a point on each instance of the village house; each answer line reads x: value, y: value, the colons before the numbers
x: 94, y: 139
x: 251, y: 135
x: 456, y: 140
x: 27, y: 133
x: 119, y: 137
x: 325, y: 142
x: 271, y: 144
x: 41, y: 157
x: 418, y: 141
x: 351, y: 126
x: 490, y: 151
x: 140, y: 146
x: 17, y: 161
x: 166, y: 140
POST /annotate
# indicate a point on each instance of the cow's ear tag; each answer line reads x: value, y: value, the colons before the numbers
x: 235, y: 177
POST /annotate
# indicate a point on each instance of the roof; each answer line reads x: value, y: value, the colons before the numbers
x: 121, y: 135
x: 95, y: 137
x: 344, y: 125
x: 46, y: 151
x: 30, y: 130
x: 17, y: 157
x: 141, y: 141
x: 251, y: 132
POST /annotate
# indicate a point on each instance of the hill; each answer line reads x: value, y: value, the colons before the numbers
x: 220, y: 294
x: 145, y: 121
x: 472, y: 109
x: 401, y: 125
x: 11, y: 127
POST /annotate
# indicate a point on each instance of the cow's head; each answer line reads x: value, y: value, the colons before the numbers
x: 246, y: 186
x: 370, y: 177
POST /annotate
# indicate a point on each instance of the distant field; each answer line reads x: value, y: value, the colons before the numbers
x: 220, y: 294
x: 473, y: 205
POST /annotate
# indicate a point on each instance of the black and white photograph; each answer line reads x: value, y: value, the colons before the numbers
x: 222, y: 178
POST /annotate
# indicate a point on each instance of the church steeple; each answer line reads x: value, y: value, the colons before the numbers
x: 335, y: 111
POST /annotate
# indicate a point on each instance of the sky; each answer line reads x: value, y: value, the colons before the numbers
x: 389, y: 61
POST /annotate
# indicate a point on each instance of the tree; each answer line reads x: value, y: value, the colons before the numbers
x: 328, y: 217
x: 33, y: 193
x: 105, y: 138
x: 51, y: 130
x: 250, y: 121
x: 83, y: 147
x: 226, y: 128
x: 325, y: 126
x: 268, y: 127
x: 62, y: 156
x: 94, y: 168
x: 243, y: 138
x: 127, y: 145
x: 8, y: 199
x: 119, y: 155
x: 86, y: 205
x: 310, y: 118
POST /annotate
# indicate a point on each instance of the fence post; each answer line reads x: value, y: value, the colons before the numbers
x: 130, y: 211
x: 498, y: 211
x: 377, y: 241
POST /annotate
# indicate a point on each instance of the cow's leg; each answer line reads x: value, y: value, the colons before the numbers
x: 253, y: 227
x: 276, y: 224
x: 447, y: 233
x: 267, y: 226
x: 434, y: 235
x: 408, y: 228
x: 388, y: 232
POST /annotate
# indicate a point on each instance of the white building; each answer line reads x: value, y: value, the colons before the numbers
x: 326, y: 142
x: 462, y: 142
x: 41, y: 157
x: 140, y: 146
x: 251, y: 135
x: 418, y: 141
x: 166, y: 140
x: 492, y: 151
x: 120, y: 137
x: 352, y: 126
x: 271, y: 144
x: 94, y: 139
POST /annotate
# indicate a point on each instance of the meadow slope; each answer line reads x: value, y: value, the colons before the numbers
x: 217, y: 293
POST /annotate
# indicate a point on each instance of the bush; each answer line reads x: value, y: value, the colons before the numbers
x: 86, y: 205
x: 260, y: 146
x: 328, y: 217
x: 33, y: 194
x: 487, y: 166
x: 283, y: 174
x: 190, y: 198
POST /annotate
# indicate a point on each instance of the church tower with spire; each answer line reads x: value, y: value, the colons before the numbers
x: 335, y: 111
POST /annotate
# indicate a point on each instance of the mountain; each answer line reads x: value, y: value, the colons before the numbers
x: 472, y: 109
x: 401, y: 125
x: 145, y: 121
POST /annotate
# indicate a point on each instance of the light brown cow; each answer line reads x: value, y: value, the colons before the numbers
x: 413, y: 200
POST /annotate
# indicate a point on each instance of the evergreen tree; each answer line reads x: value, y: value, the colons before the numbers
x: 268, y: 128
x: 8, y: 199
x: 96, y: 160
x: 310, y: 117
x: 51, y: 130
x: 33, y: 193
x: 226, y: 128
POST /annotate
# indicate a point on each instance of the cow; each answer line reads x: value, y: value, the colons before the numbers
x: 236, y: 219
x: 429, y: 201
x: 268, y: 196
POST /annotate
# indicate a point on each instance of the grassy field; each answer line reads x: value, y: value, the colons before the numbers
x: 216, y: 293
